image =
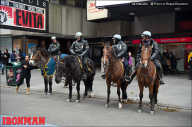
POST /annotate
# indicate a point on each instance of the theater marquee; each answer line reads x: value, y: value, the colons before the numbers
x: 30, y: 15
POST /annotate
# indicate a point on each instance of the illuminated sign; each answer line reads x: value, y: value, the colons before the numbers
x: 168, y: 40
x: 94, y: 13
x: 31, y: 15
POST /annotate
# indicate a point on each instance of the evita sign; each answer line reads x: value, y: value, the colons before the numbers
x: 30, y: 15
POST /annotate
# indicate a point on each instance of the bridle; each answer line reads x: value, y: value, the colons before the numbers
x: 58, y: 63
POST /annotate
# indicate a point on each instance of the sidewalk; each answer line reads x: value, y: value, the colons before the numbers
x: 176, y: 92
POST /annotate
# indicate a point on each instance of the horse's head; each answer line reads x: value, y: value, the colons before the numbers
x: 38, y: 57
x: 105, y: 54
x: 146, y: 55
x: 59, y: 70
x: 108, y: 52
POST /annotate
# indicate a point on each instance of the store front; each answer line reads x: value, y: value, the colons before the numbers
x: 6, y: 43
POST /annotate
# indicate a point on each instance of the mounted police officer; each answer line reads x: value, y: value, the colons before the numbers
x: 155, y: 55
x: 120, y: 51
x: 54, y: 47
x: 80, y: 48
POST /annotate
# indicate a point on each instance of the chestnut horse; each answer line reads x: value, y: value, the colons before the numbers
x: 114, y: 73
x: 147, y: 77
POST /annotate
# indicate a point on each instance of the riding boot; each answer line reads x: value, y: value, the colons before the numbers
x: 160, y: 77
x: 159, y: 71
x: 84, y: 75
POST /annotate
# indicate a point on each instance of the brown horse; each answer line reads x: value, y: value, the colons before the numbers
x: 147, y: 77
x: 41, y: 58
x: 114, y: 73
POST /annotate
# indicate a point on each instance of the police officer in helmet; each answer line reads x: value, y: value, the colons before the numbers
x: 54, y: 47
x: 80, y: 48
x: 155, y: 55
x: 120, y: 50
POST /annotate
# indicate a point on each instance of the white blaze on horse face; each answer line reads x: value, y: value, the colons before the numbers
x: 145, y: 63
x: 146, y: 49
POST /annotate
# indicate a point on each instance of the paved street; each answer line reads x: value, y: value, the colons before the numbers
x: 175, y: 95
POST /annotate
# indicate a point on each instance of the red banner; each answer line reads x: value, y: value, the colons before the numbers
x: 168, y: 40
x: 28, y: 19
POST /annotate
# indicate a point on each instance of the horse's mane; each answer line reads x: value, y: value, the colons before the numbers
x: 141, y: 72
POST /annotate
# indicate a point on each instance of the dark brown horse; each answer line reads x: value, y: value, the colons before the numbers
x: 114, y: 74
x: 147, y: 77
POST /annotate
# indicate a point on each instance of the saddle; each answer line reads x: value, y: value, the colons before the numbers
x: 87, y: 64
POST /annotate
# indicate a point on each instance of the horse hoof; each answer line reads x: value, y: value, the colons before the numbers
x: 139, y: 110
x: 124, y: 100
x: 120, y: 106
x: 92, y: 94
x: 89, y: 94
x: 68, y: 100
x: 106, y: 105
x: 152, y: 112
x: 77, y: 101
x: 65, y: 86
x: 49, y: 93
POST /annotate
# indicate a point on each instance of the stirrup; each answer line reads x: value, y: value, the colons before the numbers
x: 161, y: 82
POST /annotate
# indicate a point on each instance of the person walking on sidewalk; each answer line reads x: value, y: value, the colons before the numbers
x: 5, y: 60
x: 25, y: 74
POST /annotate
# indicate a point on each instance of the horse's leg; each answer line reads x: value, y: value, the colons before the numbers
x: 124, y: 93
x: 86, y: 88
x: 90, y: 86
x: 141, y: 87
x: 66, y: 84
x: 50, y: 85
x: 78, y: 91
x: 119, y: 99
x: 108, y: 93
x: 70, y: 90
x: 156, y: 90
x: 151, y: 86
x: 46, y: 85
